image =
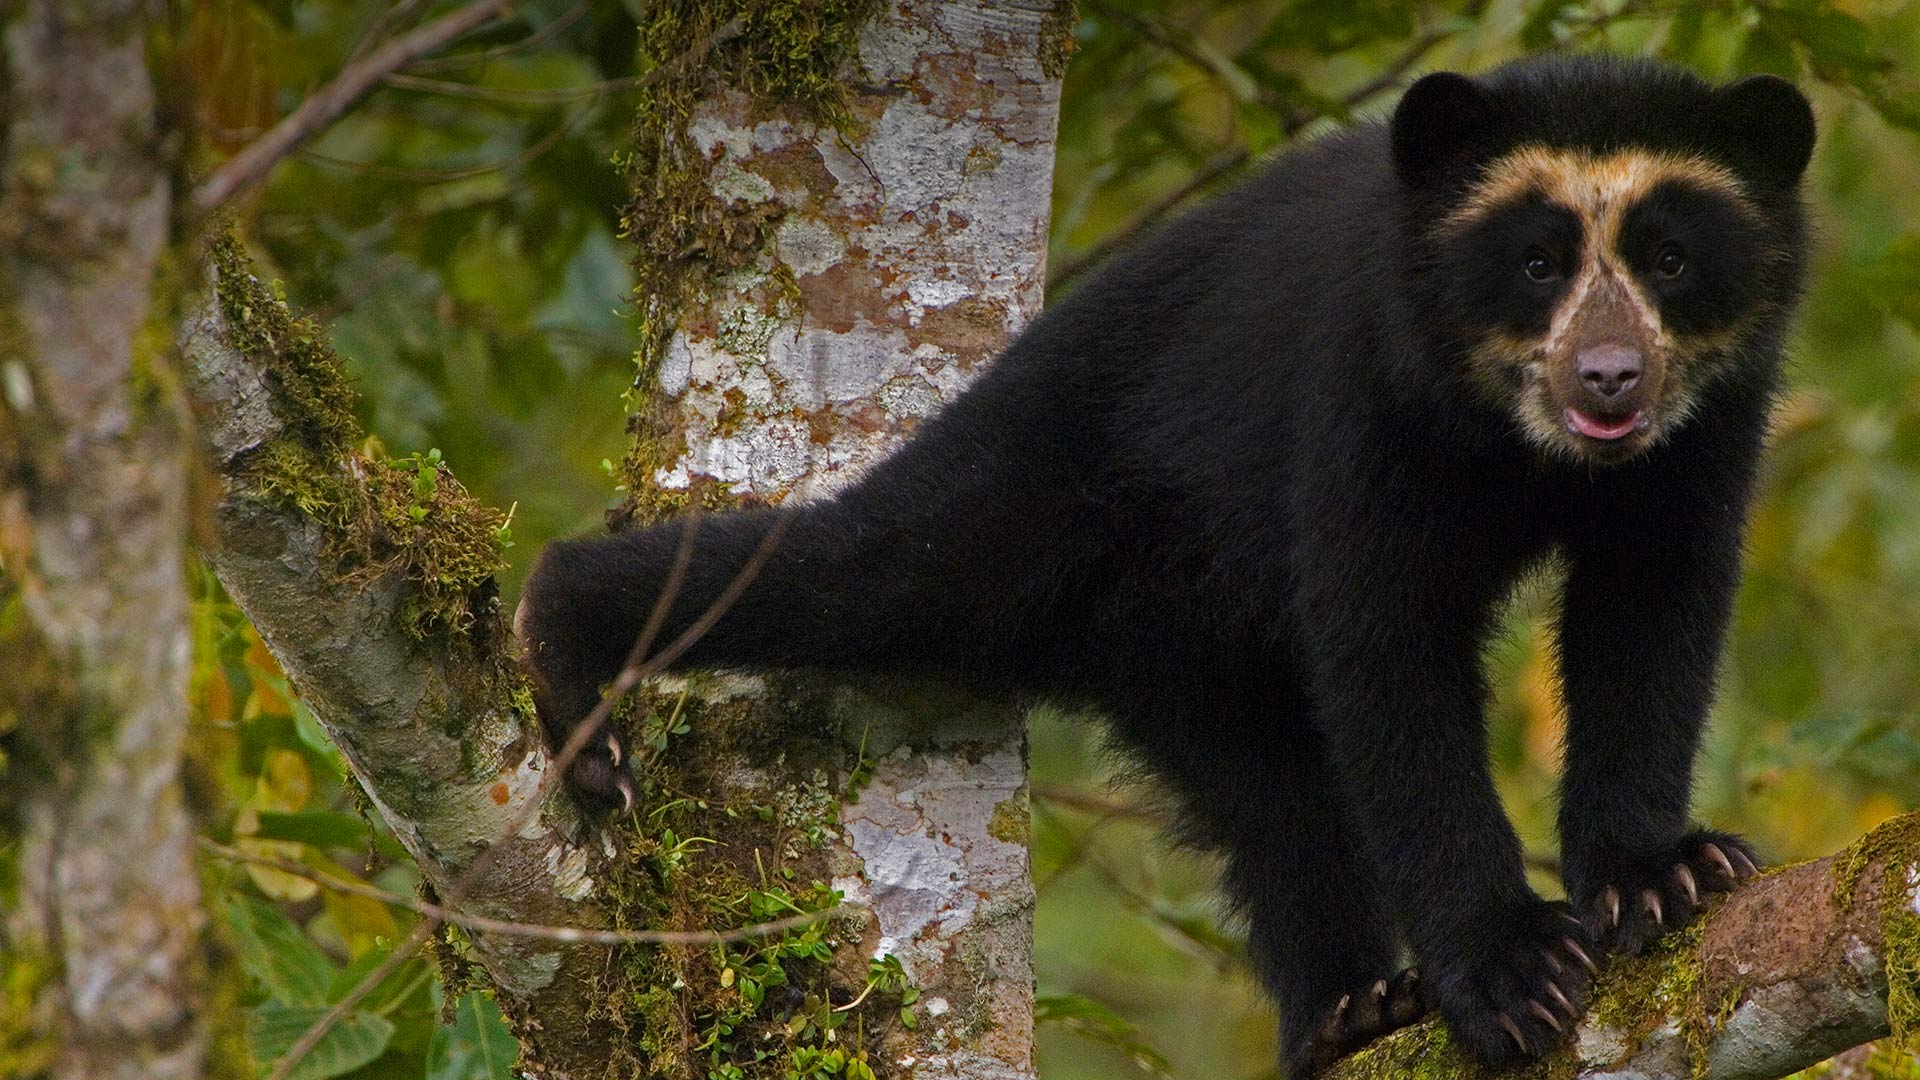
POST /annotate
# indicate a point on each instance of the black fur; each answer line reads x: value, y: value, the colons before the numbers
x: 1236, y: 493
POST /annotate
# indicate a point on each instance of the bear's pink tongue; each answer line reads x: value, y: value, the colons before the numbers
x: 1596, y: 428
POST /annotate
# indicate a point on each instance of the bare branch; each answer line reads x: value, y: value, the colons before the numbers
x: 323, y: 107
x: 1788, y: 971
x: 1232, y: 159
x: 570, y: 934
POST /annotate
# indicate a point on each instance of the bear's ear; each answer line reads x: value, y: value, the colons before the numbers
x: 1765, y: 125
x: 1440, y: 123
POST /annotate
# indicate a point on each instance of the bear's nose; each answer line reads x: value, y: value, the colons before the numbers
x: 1609, y: 370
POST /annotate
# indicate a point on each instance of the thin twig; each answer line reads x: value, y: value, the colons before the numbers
x: 635, y: 669
x: 440, y: 176
x: 1096, y: 803
x: 1233, y: 159
x: 562, y: 94
x: 250, y: 164
x: 482, y: 56
x: 570, y: 934
x: 507, y: 95
x: 399, y: 13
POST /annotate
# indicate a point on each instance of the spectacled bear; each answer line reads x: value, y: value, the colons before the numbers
x: 1257, y: 491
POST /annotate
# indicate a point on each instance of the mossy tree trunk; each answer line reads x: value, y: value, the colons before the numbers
x: 839, y: 222
x: 374, y: 590
x: 92, y: 535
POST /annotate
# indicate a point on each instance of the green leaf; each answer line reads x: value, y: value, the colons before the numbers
x: 1767, y: 52
x: 356, y: 1040
x: 1538, y: 31
x: 476, y: 1046
x: 292, y: 969
x: 321, y: 828
x: 1095, y: 1021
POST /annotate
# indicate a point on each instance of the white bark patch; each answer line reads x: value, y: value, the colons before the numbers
x: 568, y: 865
x: 917, y: 242
x: 923, y: 829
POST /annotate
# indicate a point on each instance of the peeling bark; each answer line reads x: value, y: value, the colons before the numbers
x: 431, y: 730
x: 909, y: 248
x: 1793, y: 968
x: 95, y: 526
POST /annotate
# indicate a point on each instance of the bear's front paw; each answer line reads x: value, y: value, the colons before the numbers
x: 1625, y: 903
x: 600, y: 776
x: 1354, y: 1020
x: 1512, y: 988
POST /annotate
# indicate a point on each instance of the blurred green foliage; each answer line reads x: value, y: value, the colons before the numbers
x: 458, y: 236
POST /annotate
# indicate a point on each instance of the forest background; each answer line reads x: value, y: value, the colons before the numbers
x: 459, y: 236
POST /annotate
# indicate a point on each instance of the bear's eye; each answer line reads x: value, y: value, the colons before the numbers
x: 1671, y: 262
x: 1539, y: 268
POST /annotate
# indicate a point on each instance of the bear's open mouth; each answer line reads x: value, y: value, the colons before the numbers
x: 1585, y: 423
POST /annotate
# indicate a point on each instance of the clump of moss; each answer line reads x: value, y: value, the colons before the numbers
x: 1894, y: 846
x: 686, y: 235
x: 381, y: 515
x: 1641, y: 992
x: 310, y: 381
x: 704, y: 857
x: 1057, y: 44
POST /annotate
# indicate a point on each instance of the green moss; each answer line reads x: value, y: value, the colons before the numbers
x: 408, y: 515
x: 1009, y: 823
x: 1894, y: 847
x: 702, y: 858
x: 1057, y: 44
x: 687, y: 236
x: 315, y: 395
x: 1640, y: 992
x: 1422, y: 1052
x: 27, y: 1047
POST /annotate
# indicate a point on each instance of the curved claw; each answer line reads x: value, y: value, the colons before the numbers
x: 1580, y: 954
x: 1712, y: 851
x: 1560, y: 999
x: 1546, y: 1016
x: 1650, y: 902
x: 625, y: 784
x: 614, y: 748
x: 1685, y: 877
x: 1746, y: 864
x: 1513, y: 1029
x: 1611, y: 896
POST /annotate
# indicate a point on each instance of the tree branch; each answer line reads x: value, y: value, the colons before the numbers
x: 1793, y: 968
x: 436, y: 727
x: 325, y: 105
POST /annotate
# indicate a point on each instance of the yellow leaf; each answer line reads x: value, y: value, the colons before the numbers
x: 275, y: 883
x: 285, y: 782
x: 361, y: 920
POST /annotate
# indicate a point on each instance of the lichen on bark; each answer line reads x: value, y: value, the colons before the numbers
x: 686, y: 231
x: 833, y: 235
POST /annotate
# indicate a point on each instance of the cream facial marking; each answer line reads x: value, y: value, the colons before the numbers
x: 1599, y: 188
x: 1603, y: 302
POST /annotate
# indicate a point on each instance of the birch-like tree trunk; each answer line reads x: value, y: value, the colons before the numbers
x: 901, y: 244
x: 94, y: 527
